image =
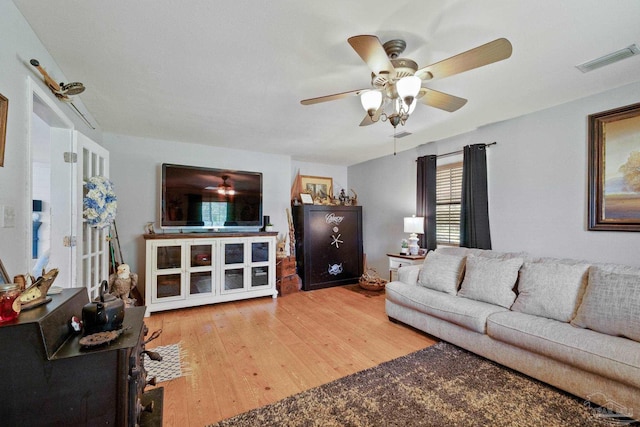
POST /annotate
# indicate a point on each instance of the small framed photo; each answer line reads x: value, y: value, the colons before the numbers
x: 4, y: 277
x: 306, y: 198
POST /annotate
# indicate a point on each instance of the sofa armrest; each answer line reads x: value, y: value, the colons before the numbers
x: 409, y: 274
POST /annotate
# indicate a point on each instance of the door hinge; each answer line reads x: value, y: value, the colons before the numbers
x: 69, y: 241
x: 70, y: 157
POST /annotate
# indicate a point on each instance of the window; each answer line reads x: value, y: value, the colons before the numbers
x: 214, y: 213
x: 448, y: 199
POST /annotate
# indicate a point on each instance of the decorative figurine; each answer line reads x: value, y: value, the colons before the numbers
x: 280, y: 246
x: 343, y: 197
x: 121, y: 283
x: 36, y: 294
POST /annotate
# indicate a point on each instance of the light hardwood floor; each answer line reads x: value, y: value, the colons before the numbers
x: 246, y: 354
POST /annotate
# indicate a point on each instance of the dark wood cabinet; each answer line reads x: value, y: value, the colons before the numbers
x: 328, y: 245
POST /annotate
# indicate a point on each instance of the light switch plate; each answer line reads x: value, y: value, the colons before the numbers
x: 7, y: 216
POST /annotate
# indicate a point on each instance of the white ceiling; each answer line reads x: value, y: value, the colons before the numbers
x: 232, y: 73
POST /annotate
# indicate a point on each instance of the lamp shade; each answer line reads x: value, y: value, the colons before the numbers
x: 414, y: 224
x: 408, y: 86
x: 371, y: 100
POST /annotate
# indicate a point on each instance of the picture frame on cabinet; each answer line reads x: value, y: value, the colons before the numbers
x: 320, y: 187
x: 306, y: 198
x: 4, y: 110
x: 614, y: 169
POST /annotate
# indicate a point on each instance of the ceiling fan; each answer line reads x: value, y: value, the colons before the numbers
x: 396, y: 83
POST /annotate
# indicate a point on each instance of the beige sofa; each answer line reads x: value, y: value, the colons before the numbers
x: 568, y: 323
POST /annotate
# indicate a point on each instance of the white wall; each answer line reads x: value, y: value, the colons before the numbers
x: 537, y: 186
x: 19, y: 44
x: 135, y: 172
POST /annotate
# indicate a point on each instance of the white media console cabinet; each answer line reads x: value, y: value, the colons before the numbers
x: 190, y: 269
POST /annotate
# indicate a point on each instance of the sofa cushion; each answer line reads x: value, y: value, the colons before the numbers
x: 611, y: 304
x: 442, y: 272
x: 490, y: 280
x: 612, y: 357
x: 485, y: 253
x: 551, y: 290
x: 464, y: 312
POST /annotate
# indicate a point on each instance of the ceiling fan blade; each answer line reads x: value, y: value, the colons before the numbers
x: 371, y: 120
x: 331, y: 97
x: 366, y: 121
x: 371, y: 51
x: 486, y: 54
x: 440, y: 100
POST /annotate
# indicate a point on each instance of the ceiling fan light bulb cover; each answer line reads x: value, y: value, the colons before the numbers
x: 408, y: 86
x: 410, y: 107
x: 371, y: 100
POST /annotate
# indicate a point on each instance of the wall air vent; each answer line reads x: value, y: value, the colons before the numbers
x: 610, y: 58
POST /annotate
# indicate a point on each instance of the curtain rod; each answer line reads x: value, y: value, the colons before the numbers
x: 453, y: 153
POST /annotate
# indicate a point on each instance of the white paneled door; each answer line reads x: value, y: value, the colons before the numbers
x: 92, y: 244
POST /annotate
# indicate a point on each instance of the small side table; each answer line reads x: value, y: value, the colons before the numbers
x: 399, y: 260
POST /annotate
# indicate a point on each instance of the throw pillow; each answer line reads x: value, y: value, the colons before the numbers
x: 551, y: 290
x: 611, y: 304
x: 490, y: 280
x: 442, y: 272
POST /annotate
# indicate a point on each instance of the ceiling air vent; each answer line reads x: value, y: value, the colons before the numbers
x: 610, y: 58
x: 401, y: 134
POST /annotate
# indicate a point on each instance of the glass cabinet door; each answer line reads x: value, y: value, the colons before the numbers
x: 168, y: 285
x: 201, y: 266
x: 233, y: 277
x: 259, y: 276
x: 259, y: 264
x: 167, y: 257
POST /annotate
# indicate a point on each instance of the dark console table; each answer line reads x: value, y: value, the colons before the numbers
x: 48, y: 379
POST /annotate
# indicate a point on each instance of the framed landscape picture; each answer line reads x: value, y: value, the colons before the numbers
x: 319, y: 187
x: 614, y: 169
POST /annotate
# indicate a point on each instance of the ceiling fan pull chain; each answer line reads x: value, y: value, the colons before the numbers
x: 394, y: 141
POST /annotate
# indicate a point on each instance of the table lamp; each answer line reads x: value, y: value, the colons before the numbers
x: 414, y: 225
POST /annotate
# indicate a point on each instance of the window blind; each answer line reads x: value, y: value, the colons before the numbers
x: 448, y: 199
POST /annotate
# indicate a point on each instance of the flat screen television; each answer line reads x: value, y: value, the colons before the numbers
x: 199, y: 198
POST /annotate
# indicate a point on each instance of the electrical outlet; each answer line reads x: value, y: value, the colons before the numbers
x: 7, y: 216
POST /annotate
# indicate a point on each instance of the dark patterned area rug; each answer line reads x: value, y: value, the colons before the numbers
x: 441, y: 385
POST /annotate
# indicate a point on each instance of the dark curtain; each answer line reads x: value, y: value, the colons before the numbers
x: 474, y: 209
x: 426, y: 200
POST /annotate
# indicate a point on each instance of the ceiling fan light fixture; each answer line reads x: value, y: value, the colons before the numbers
x: 371, y: 101
x: 225, y: 189
x: 408, y: 88
x: 395, y: 119
x: 409, y: 108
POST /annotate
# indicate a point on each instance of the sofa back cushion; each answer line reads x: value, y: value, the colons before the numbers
x: 485, y: 253
x: 490, y: 280
x: 442, y: 272
x: 549, y: 289
x: 611, y: 304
